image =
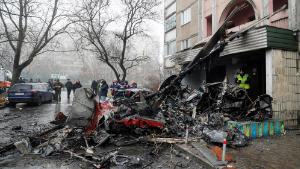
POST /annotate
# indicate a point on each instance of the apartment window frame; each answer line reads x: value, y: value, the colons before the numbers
x: 170, y: 10
x: 186, y: 16
x: 170, y: 23
x: 171, y: 47
x: 186, y: 43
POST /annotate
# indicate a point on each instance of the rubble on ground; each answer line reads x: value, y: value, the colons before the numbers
x: 186, y: 118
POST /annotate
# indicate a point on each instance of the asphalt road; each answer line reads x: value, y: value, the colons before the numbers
x: 23, y: 119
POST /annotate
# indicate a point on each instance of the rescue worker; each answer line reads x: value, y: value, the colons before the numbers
x: 69, y: 86
x: 57, y: 88
x: 243, y: 79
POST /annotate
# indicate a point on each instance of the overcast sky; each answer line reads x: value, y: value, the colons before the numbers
x: 154, y: 28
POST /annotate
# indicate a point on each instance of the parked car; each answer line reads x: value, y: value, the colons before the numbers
x: 32, y: 93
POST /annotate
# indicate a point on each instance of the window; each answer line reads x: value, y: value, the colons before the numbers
x: 168, y: 2
x: 186, y: 44
x: 171, y: 48
x: 186, y: 16
x: 170, y: 35
x: 208, y: 25
x: 170, y: 10
x: 170, y: 23
x: 277, y: 4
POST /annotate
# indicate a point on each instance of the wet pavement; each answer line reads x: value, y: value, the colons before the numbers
x: 23, y: 119
x: 31, y: 120
x: 267, y: 153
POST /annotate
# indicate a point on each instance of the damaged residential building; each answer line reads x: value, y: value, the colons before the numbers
x: 268, y: 52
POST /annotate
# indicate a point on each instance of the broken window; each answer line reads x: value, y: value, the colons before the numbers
x: 242, y: 17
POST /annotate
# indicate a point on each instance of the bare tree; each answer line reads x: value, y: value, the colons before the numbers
x: 29, y: 27
x: 113, y: 47
x: 5, y: 58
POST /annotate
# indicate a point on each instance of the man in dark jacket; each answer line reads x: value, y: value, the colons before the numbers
x: 50, y: 82
x: 103, y: 91
x: 94, y: 86
x: 57, y: 88
x: 69, y: 86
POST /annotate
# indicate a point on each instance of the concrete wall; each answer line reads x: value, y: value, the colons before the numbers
x: 285, y: 86
x: 189, y: 30
x: 294, y: 13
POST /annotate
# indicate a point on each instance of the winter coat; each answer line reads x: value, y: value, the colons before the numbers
x: 57, y: 86
x: 103, y: 90
x: 94, y: 85
x: 69, y: 85
x: 76, y: 86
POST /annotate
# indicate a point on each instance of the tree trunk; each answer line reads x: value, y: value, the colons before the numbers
x: 124, y: 71
x: 124, y: 76
x: 114, y: 70
x: 16, y: 75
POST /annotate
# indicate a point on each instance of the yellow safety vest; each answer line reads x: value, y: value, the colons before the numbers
x: 242, y: 81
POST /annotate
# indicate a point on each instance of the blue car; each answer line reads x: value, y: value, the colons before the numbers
x: 31, y: 93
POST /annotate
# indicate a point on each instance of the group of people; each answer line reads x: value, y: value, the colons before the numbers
x: 69, y: 85
x: 72, y: 86
x: 123, y: 85
x: 100, y: 88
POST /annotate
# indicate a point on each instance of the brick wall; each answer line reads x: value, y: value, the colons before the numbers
x: 286, y: 86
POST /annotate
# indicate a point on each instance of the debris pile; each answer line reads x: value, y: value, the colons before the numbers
x: 198, y: 114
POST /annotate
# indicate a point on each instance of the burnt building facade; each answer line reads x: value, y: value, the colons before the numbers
x: 269, y: 52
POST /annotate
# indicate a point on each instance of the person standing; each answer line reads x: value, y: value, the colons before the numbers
x: 50, y: 82
x: 114, y: 87
x: 103, y: 91
x: 57, y: 88
x: 76, y: 85
x: 243, y: 79
x: 133, y: 85
x: 69, y: 86
x: 94, y: 86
